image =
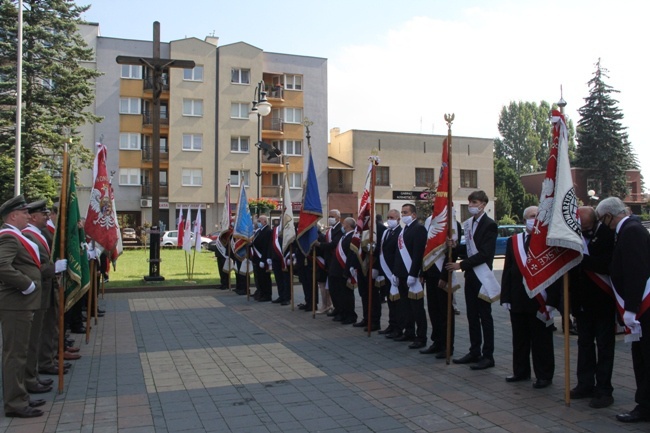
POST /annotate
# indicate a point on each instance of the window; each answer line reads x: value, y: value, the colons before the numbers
x: 293, y: 82
x: 131, y: 72
x: 239, y: 110
x: 130, y: 141
x: 468, y: 179
x: 424, y: 177
x: 193, y: 107
x: 192, y: 142
x: 130, y: 106
x: 195, y: 74
x: 293, y: 115
x: 383, y: 176
x: 129, y: 176
x: 382, y: 209
x: 192, y: 177
x: 240, y: 76
x: 595, y: 185
x: 236, y: 175
x: 240, y: 144
x: 293, y: 147
x: 295, y: 180
x: 464, y: 212
x: 162, y: 177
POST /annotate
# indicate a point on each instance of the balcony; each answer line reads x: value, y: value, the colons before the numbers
x: 147, y: 119
x: 271, y: 191
x: 635, y: 198
x: 273, y: 124
x: 148, y: 83
x: 147, y: 191
x: 147, y: 154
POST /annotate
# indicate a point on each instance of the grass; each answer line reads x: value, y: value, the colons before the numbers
x: 133, y: 265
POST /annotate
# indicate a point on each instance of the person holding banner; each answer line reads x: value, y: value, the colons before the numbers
x: 260, y: 250
x: 481, y: 234
x: 327, y: 245
x: 387, y: 248
x: 593, y: 306
x: 342, y: 274
x: 278, y: 264
x: 630, y: 275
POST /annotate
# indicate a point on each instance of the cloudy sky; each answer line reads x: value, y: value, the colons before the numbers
x: 399, y: 66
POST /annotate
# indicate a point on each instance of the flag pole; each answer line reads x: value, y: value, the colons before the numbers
x: 248, y: 276
x: 291, y: 273
x: 63, y: 209
x: 91, y: 292
x: 449, y: 119
x: 313, y: 282
x: 371, y: 238
x: 228, y: 260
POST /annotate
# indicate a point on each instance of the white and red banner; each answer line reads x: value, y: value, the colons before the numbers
x: 101, y: 223
x: 438, y: 227
x: 556, y: 241
x: 198, y: 230
x: 187, y: 232
x: 181, y: 229
x: 288, y: 229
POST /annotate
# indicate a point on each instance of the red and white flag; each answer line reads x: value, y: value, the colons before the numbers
x: 437, y: 230
x: 197, y: 231
x: 556, y: 241
x: 187, y: 232
x: 363, y: 217
x: 101, y: 223
x: 181, y: 229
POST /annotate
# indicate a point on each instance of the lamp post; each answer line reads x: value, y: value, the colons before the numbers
x: 261, y: 107
x: 593, y: 199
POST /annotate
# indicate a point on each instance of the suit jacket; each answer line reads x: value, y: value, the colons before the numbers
x: 630, y: 268
x: 485, y: 238
x: 514, y: 292
x: 261, y: 243
x: 415, y: 240
x: 388, y: 247
x: 17, y: 272
x: 47, y: 270
x: 335, y: 269
x: 328, y: 249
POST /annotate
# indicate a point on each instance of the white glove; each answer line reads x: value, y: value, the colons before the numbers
x: 411, y: 281
x: 550, y: 310
x: 30, y: 289
x: 380, y: 278
x: 394, y: 280
x: 630, y: 319
x: 353, y: 273
x: 507, y: 306
x: 262, y: 264
x: 269, y: 262
x: 375, y: 274
x: 60, y: 266
x: 92, y: 255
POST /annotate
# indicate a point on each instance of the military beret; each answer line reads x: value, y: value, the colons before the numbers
x: 16, y: 203
x: 38, y: 206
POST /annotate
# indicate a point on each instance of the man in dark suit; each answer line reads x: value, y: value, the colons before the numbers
x: 372, y: 274
x: 481, y: 235
x: 277, y: 263
x: 260, y: 250
x: 594, y: 308
x: 387, y: 249
x: 20, y: 296
x: 531, y: 330
x: 327, y: 249
x: 630, y: 276
x: 340, y: 275
x: 408, y: 267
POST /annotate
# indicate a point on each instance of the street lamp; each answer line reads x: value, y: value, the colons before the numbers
x: 592, y: 197
x: 261, y: 107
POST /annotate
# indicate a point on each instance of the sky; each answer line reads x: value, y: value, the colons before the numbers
x: 401, y: 65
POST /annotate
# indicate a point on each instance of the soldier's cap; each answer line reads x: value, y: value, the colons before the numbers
x: 16, y: 203
x: 38, y: 206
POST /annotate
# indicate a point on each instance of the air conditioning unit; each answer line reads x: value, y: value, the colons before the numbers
x: 145, y: 202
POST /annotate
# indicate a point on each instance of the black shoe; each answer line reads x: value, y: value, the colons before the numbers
x: 601, y: 401
x: 36, y: 403
x: 39, y: 389
x: 284, y: 303
x: 577, y: 393
x: 634, y: 416
x: 483, y: 363
x: 393, y: 335
x: 515, y: 378
x: 372, y: 328
x: 361, y: 324
x: 338, y: 318
x: 26, y: 412
x: 385, y: 331
x: 432, y: 350
x: 542, y: 383
x: 78, y: 330
x: 467, y: 359
x: 276, y: 301
x: 240, y: 292
x: 303, y: 306
x: 45, y: 381
x: 264, y: 299
x: 443, y: 354
x: 333, y: 313
x: 405, y: 337
x: 308, y: 308
x: 417, y: 345
x: 348, y: 321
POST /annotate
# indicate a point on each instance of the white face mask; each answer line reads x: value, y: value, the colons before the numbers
x: 331, y: 221
x: 473, y: 210
x: 391, y: 224
x: 408, y: 219
x: 529, y: 224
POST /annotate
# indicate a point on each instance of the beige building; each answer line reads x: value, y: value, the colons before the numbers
x: 409, y: 164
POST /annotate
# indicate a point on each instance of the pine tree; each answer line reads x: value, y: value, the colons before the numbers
x: 57, y: 89
x: 603, y: 144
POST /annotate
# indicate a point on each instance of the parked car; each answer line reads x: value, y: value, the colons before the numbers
x: 214, y: 235
x: 129, y: 234
x: 170, y: 239
x: 503, y: 233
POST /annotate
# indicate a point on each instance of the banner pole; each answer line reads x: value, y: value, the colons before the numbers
x: 567, y: 354
x: 61, y: 227
x: 371, y: 237
x: 90, y: 293
x: 449, y: 118
x: 291, y: 273
x: 313, y: 283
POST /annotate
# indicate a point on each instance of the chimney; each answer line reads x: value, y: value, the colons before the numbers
x: 214, y: 40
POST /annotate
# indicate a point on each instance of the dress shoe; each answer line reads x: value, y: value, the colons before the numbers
x: 72, y: 349
x: 373, y: 328
x: 264, y: 299
x: 284, y: 303
x: 67, y: 365
x: 52, y: 371
x: 301, y: 306
x: 601, y: 401
x: 308, y: 308
x: 385, y: 331
x: 276, y: 301
x: 542, y: 383
x: 361, y: 324
x: 634, y: 416
x: 45, y: 382
x: 515, y: 378
x: 467, y: 359
x: 71, y: 356
x: 405, y: 337
x: 78, y: 330
x: 431, y: 350
x: 36, y: 403
x: 333, y: 313
x: 26, y: 412
x: 483, y: 363
x: 38, y: 389
x: 338, y: 318
x: 393, y: 335
x: 348, y: 321
x: 443, y: 354
x: 417, y: 345
x: 577, y: 393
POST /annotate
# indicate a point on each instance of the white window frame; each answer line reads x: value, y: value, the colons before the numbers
x: 130, y: 106
x: 240, y: 79
x: 194, y: 74
x: 130, y: 177
x: 239, y: 144
x: 235, y: 175
x: 293, y: 82
x: 131, y: 72
x: 239, y: 110
x: 290, y: 115
x: 295, y: 180
x: 130, y: 141
x: 192, y: 107
x: 192, y: 177
x: 192, y: 142
x: 289, y: 147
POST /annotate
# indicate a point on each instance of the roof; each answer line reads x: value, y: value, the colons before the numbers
x: 335, y: 164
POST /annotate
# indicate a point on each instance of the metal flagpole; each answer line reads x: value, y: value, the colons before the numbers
x: 371, y: 238
x: 19, y: 96
x: 313, y: 282
x: 449, y: 118
x: 61, y: 227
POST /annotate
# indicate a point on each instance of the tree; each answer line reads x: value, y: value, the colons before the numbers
x: 603, y: 142
x: 57, y: 89
x: 511, y: 197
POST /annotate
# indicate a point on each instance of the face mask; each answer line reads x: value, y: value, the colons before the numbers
x: 331, y: 221
x: 473, y: 210
x: 529, y: 224
x: 259, y: 225
x: 408, y: 219
x: 343, y: 229
x: 392, y: 224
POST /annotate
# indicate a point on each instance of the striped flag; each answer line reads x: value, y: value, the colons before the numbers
x: 311, y: 210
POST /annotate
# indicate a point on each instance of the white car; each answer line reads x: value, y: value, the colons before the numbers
x: 170, y: 239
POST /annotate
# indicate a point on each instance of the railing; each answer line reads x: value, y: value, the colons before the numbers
x: 147, y: 119
x: 340, y: 188
x: 271, y: 124
x: 635, y: 198
x: 276, y: 92
x: 148, y: 83
x: 271, y: 191
x: 147, y: 154
x: 147, y: 191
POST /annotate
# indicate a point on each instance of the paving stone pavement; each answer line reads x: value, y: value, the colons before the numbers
x: 205, y: 360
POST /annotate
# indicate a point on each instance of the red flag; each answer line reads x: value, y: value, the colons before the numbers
x: 556, y: 240
x: 437, y: 230
x: 363, y: 217
x: 181, y: 229
x: 101, y: 224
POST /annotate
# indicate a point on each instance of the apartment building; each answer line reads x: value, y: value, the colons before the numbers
x: 207, y: 137
x: 409, y: 165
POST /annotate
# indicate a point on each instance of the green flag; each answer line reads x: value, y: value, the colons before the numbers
x: 77, y: 278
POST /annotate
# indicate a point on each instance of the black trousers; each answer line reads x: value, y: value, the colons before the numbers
x: 529, y: 334
x: 345, y: 296
x: 479, y: 318
x: 308, y: 285
x: 411, y: 314
x: 437, y: 309
x: 224, y: 277
x: 596, y: 344
x: 393, y: 324
x: 336, y: 294
x: 263, y: 281
x: 282, y: 280
x: 376, y: 299
x: 641, y: 363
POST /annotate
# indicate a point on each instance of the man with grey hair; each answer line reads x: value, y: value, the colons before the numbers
x: 341, y: 273
x: 630, y: 276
